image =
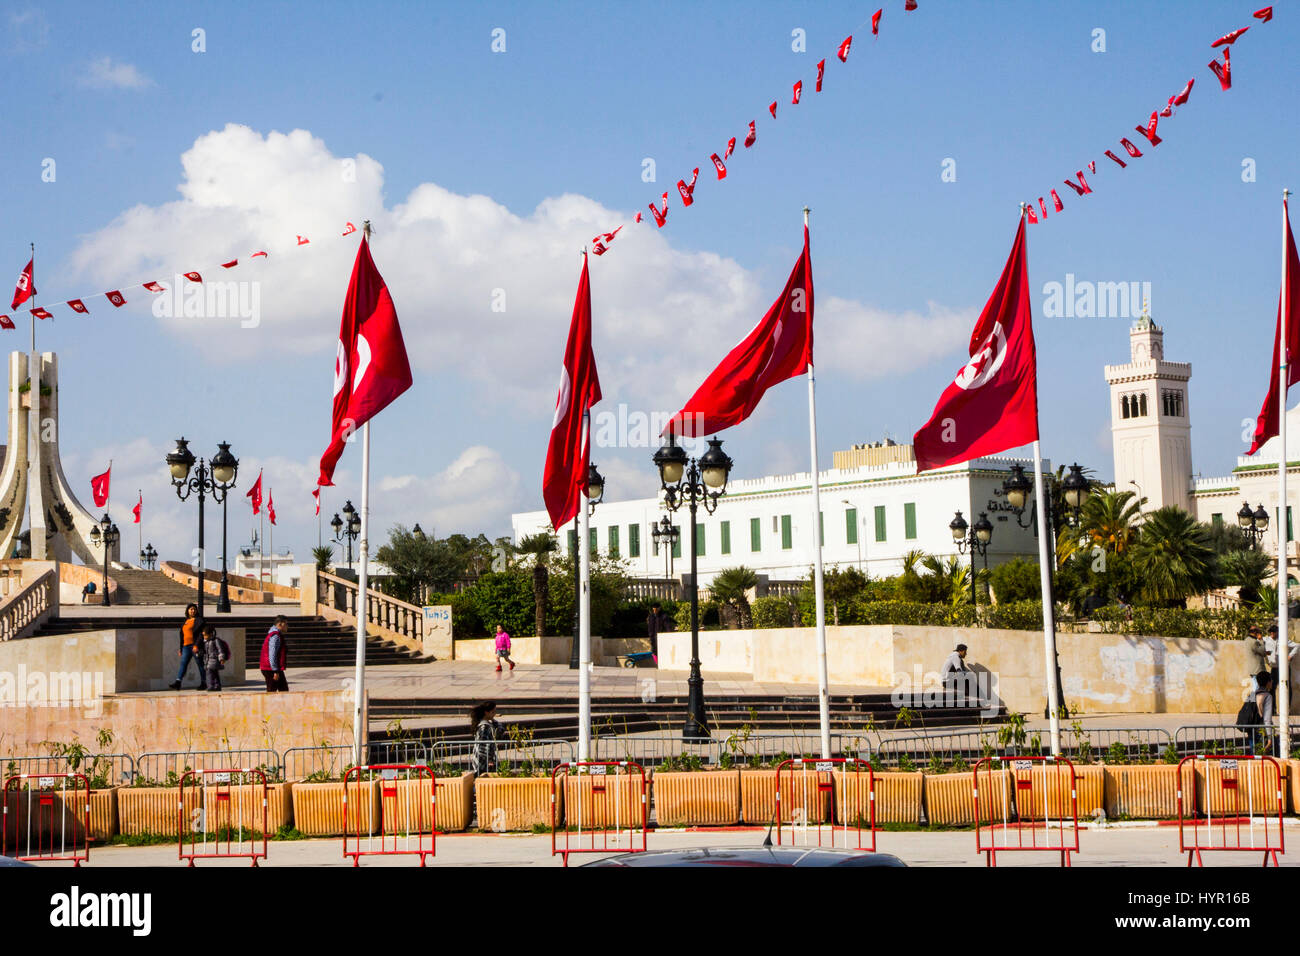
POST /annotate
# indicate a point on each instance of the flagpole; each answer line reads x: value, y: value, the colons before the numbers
x: 31, y: 312
x: 584, y: 609
x: 270, y: 539
x: 1045, y: 577
x: 1284, y: 524
x: 139, y: 525
x: 823, y: 681
x: 359, y: 730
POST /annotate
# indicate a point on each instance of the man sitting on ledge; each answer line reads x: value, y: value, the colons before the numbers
x: 956, y: 677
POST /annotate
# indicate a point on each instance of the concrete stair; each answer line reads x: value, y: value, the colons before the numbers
x: 135, y: 586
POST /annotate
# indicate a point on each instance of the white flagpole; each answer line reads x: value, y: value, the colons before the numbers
x: 584, y: 610
x: 139, y: 525
x: 1283, y: 637
x: 1049, y: 612
x: 31, y: 312
x: 270, y: 540
x: 823, y: 681
x: 359, y: 729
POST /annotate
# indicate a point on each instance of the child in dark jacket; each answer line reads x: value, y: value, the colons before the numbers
x: 214, y: 656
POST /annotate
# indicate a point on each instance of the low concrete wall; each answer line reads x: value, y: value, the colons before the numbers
x: 1101, y: 673
x: 74, y: 577
x: 188, y: 722
x: 118, y: 660
x: 551, y: 650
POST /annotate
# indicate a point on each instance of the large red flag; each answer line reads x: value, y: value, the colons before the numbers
x: 254, y: 494
x: 779, y: 347
x: 139, y: 505
x: 565, y: 478
x: 992, y: 404
x: 270, y: 506
x: 26, y: 286
x: 99, y: 487
x: 371, y: 368
x: 1266, y: 423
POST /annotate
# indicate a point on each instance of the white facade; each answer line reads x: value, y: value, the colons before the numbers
x: 1151, y: 432
x: 871, y: 517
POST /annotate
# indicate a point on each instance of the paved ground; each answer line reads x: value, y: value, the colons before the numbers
x: 1113, y: 846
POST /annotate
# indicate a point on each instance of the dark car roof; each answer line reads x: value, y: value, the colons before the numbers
x: 752, y: 856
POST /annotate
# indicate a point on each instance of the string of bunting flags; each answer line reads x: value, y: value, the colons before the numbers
x: 1223, y: 71
x: 26, y: 287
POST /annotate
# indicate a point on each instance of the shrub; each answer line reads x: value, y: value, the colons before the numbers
x: 772, y: 612
x: 1226, y: 624
x: 1016, y: 616
x: 708, y: 616
x: 1017, y: 580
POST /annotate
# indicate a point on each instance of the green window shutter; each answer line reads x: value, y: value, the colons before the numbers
x: 787, y: 536
x: 677, y: 541
x: 613, y: 541
x: 880, y: 522
x: 699, y: 540
x: 594, y: 545
x: 851, y: 526
x: 755, y: 534
x: 573, y: 543
x: 726, y: 537
x: 909, y: 521
x: 634, y: 541
x: 1216, y: 520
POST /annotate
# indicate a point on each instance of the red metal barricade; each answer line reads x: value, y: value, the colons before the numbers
x: 392, y: 809
x: 816, y: 795
x: 605, y: 806
x: 1232, y: 803
x: 1025, y: 804
x: 46, y: 817
x: 222, y: 815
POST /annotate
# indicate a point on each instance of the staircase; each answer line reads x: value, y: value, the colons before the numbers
x: 311, y: 641
x: 149, y: 587
x: 556, y: 717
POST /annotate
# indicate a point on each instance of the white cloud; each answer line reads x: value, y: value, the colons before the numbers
x: 471, y: 494
x: 104, y: 74
x: 446, y: 256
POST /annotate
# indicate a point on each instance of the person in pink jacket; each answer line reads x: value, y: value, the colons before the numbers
x: 503, y: 648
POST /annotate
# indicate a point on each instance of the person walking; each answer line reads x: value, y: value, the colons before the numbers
x: 487, y: 731
x: 273, y: 655
x: 191, y: 648
x: 503, y: 648
x: 655, y: 624
x: 215, y: 655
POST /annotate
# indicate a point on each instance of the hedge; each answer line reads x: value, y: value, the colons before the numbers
x: 1226, y: 624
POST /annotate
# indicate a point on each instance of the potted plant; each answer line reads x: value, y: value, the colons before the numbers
x: 805, y: 790
x: 323, y: 805
x: 949, y: 799
x: 688, y: 792
x: 517, y: 795
x: 149, y: 806
x: 1143, y: 791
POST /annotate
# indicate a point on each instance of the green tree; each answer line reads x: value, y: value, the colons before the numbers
x: 538, y: 546
x: 420, y: 563
x: 323, y: 557
x: 1247, y: 570
x: 841, y: 586
x: 729, y: 587
x: 1173, y: 558
x: 1016, y: 580
x: 609, y: 581
x: 505, y: 598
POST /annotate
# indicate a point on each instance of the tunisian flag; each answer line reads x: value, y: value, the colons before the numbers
x: 565, y: 479
x: 139, y: 505
x: 26, y: 286
x: 254, y: 494
x: 779, y: 347
x: 99, y: 487
x: 1266, y: 424
x: 270, y: 506
x: 992, y: 404
x: 371, y: 368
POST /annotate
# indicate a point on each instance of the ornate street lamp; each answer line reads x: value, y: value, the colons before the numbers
x: 148, y: 557
x: 976, y: 539
x: 595, y: 494
x: 693, y: 482
x: 1253, y: 523
x: 666, y: 535
x: 106, y: 533
x: 206, y: 480
x: 225, y: 467
x: 347, y: 530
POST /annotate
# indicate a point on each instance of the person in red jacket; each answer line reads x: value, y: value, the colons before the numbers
x: 272, y: 660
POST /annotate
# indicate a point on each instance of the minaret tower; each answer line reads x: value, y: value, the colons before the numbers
x: 1150, y: 425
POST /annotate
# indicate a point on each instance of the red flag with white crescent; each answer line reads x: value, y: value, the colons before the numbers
x: 254, y: 494
x: 370, y: 366
x: 1289, y: 300
x: 843, y: 51
x: 99, y: 485
x: 564, y: 479
x: 26, y: 285
x: 76, y: 305
x: 992, y: 403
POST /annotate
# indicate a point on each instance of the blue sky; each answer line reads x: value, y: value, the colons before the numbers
x: 488, y: 171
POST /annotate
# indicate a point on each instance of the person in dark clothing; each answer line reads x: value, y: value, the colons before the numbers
x: 191, y: 648
x: 273, y: 655
x: 487, y: 731
x: 655, y: 624
x: 214, y: 657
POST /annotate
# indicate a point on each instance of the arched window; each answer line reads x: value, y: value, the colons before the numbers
x: 1123, y: 406
x: 1142, y: 405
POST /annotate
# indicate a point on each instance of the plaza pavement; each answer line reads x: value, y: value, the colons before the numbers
x: 1115, y: 845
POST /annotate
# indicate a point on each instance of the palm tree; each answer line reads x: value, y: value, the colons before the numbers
x: 1109, y: 520
x: 1174, y: 558
x: 539, y: 545
x: 729, y: 588
x: 1247, y: 570
x: 323, y: 557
